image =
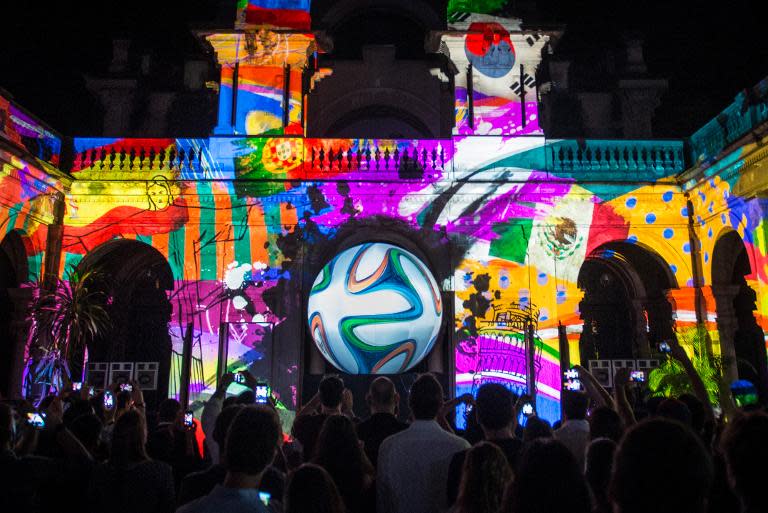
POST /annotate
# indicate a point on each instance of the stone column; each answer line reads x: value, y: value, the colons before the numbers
x: 727, y: 324
x: 642, y: 347
x: 21, y: 298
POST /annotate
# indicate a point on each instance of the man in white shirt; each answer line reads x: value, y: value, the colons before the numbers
x: 574, y: 433
x: 413, y: 464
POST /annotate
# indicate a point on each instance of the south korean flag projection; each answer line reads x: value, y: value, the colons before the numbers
x: 375, y: 309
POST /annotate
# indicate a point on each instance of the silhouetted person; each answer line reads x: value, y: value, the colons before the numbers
x: 599, y: 465
x: 574, y: 432
x: 413, y: 464
x: 130, y: 481
x: 251, y: 444
x: 310, y: 489
x: 23, y: 479
x: 535, y: 428
x: 605, y: 423
x: 338, y: 451
x: 745, y: 447
x: 198, y: 484
x: 661, y: 467
x: 495, y: 410
x: 382, y: 399
x: 484, y: 479
x: 674, y: 409
x: 548, y: 480
x: 309, y: 420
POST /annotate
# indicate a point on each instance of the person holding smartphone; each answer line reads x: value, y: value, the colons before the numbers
x: 497, y: 416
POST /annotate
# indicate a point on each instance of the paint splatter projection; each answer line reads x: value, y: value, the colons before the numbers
x: 505, y: 220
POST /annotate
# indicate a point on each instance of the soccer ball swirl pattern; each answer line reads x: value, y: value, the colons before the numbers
x: 374, y: 309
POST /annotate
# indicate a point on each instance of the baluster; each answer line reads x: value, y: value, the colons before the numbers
x: 321, y: 158
x: 191, y: 160
x: 396, y: 158
x: 98, y: 158
x: 133, y: 161
x: 114, y: 158
x: 78, y: 162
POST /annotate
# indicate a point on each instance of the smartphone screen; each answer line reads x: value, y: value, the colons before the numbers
x: 265, y: 497
x: 126, y: 387
x: 637, y: 376
x: 664, y: 347
x: 109, y: 400
x: 77, y: 385
x: 239, y: 378
x: 188, y: 418
x: 262, y: 393
x: 571, y: 380
x: 36, y: 420
x: 527, y: 409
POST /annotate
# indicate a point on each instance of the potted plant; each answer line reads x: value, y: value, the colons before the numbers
x: 63, y: 320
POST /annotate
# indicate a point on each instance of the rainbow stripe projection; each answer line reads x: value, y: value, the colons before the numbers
x: 504, y: 217
x: 292, y: 14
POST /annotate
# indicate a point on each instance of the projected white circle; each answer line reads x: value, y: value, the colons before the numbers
x: 374, y: 309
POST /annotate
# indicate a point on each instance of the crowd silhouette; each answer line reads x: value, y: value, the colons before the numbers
x: 621, y: 452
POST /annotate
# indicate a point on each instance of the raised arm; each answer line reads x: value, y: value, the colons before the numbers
x: 68, y: 442
x: 623, y: 408
x: 699, y: 390
x: 448, y: 407
x: 594, y: 390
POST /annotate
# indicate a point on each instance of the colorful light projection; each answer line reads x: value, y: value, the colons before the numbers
x: 500, y: 61
x: 291, y: 14
x: 374, y: 309
x: 22, y: 130
x: 259, y: 105
x: 232, y: 241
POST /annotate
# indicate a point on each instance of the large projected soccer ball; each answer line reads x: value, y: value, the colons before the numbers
x: 374, y: 309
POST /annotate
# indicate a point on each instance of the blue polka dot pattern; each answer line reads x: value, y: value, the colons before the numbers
x: 668, y: 233
x: 650, y: 218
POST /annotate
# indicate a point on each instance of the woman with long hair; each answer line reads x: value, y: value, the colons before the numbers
x: 310, y: 489
x: 548, y: 480
x: 484, y: 478
x: 339, y: 451
x: 130, y: 481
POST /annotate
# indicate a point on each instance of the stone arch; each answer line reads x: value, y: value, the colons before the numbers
x: 14, y: 271
x: 742, y: 340
x: 625, y: 308
x: 435, y: 252
x: 135, y: 278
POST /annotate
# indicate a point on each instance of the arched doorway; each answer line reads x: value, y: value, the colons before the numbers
x: 740, y: 335
x: 13, y: 272
x: 624, y: 309
x: 135, y: 278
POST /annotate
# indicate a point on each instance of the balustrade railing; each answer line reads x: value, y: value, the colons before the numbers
x: 401, y: 159
x: 616, y: 156
x: 748, y: 111
x: 148, y: 155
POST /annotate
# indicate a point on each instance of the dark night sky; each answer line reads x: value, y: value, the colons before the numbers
x: 707, y: 54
